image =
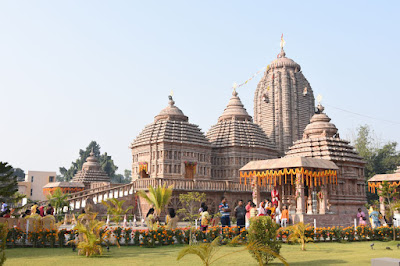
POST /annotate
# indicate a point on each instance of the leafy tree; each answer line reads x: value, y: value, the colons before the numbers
x: 191, y: 203
x: 19, y: 173
x: 58, y: 199
x: 207, y: 251
x: 114, y: 208
x: 298, y: 234
x: 8, y: 182
x: 105, y: 160
x: 264, y: 231
x: 159, y: 197
x: 389, y: 195
x: 379, y: 159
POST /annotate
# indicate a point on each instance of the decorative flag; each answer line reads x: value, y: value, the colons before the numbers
x: 282, y: 41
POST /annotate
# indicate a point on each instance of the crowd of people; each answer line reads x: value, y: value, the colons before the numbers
x: 42, y: 211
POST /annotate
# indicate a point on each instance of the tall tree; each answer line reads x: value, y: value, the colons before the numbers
x: 379, y: 159
x: 8, y: 182
x: 106, y: 162
x: 19, y: 173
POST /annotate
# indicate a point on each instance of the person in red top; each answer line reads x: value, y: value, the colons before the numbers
x: 41, y: 210
x: 275, y: 198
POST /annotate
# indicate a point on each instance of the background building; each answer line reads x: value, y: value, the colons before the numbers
x: 34, y: 182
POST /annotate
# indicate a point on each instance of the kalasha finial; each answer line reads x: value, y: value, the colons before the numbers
x: 92, y: 152
x: 320, y: 108
x: 234, y: 86
x: 171, y: 101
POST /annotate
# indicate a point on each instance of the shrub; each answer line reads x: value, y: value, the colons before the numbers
x: 264, y: 231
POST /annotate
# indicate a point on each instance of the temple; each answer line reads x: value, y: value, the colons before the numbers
x: 291, y: 149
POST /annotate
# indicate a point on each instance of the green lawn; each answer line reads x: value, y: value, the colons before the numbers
x: 356, y: 253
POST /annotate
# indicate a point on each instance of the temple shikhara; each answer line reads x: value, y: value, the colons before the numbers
x: 290, y: 149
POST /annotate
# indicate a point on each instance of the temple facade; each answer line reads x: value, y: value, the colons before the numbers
x: 171, y: 147
x: 283, y: 102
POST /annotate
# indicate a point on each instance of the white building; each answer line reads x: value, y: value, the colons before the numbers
x: 34, y: 182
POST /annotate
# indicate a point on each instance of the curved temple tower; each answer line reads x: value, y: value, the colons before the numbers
x: 283, y: 102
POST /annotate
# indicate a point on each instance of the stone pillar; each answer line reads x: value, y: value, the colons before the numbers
x: 300, y: 196
x: 309, y: 202
x: 323, y: 202
x: 256, y: 192
x: 382, y: 206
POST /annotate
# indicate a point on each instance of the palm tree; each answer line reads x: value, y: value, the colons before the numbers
x: 114, y: 207
x: 159, y: 197
x: 298, y: 234
x: 89, y: 240
x: 58, y: 199
x: 207, y: 251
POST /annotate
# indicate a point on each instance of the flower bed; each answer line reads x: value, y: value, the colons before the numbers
x: 162, y: 236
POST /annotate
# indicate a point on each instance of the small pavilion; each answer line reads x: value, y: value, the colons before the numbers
x: 301, y: 182
x: 376, y: 181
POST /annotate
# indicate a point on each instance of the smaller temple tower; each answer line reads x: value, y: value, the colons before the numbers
x: 321, y: 140
x: 236, y: 140
x: 91, y: 173
x: 171, y: 147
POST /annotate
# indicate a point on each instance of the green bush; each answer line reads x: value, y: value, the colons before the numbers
x: 264, y: 230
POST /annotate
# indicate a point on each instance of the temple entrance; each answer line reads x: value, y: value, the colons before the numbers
x: 143, y: 170
x: 190, y: 170
x: 143, y: 174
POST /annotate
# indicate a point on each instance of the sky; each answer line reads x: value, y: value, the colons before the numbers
x: 76, y: 71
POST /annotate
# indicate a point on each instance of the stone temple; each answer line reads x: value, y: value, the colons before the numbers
x: 287, y: 132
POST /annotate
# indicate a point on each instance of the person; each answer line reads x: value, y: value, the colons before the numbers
x: 205, y: 219
x: 6, y: 214
x: 275, y: 198
x: 248, y: 207
x: 150, y: 220
x: 261, y: 209
x: 41, y: 211
x: 271, y: 207
x: 3, y: 206
x: 225, y: 213
x: 49, y: 207
x: 26, y: 213
x: 375, y: 218
x: 171, y: 219
x: 278, y: 215
x: 269, y: 213
x: 253, y: 210
x: 201, y: 209
x: 240, y: 214
x: 284, y: 216
x: 361, y: 217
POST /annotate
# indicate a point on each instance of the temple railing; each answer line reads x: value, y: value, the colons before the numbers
x: 78, y: 200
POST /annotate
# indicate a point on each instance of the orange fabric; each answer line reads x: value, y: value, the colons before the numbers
x: 285, y: 214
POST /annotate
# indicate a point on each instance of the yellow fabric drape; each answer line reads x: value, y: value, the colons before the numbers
x: 274, y: 177
x: 373, y: 186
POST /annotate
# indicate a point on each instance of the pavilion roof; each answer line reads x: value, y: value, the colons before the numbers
x: 290, y: 162
x: 64, y: 184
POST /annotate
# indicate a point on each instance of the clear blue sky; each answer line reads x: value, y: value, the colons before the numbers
x: 76, y: 71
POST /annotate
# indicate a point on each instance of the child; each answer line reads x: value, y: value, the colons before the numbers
x: 205, y: 218
x: 285, y: 216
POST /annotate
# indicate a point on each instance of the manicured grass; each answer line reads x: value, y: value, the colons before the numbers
x: 355, y: 253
